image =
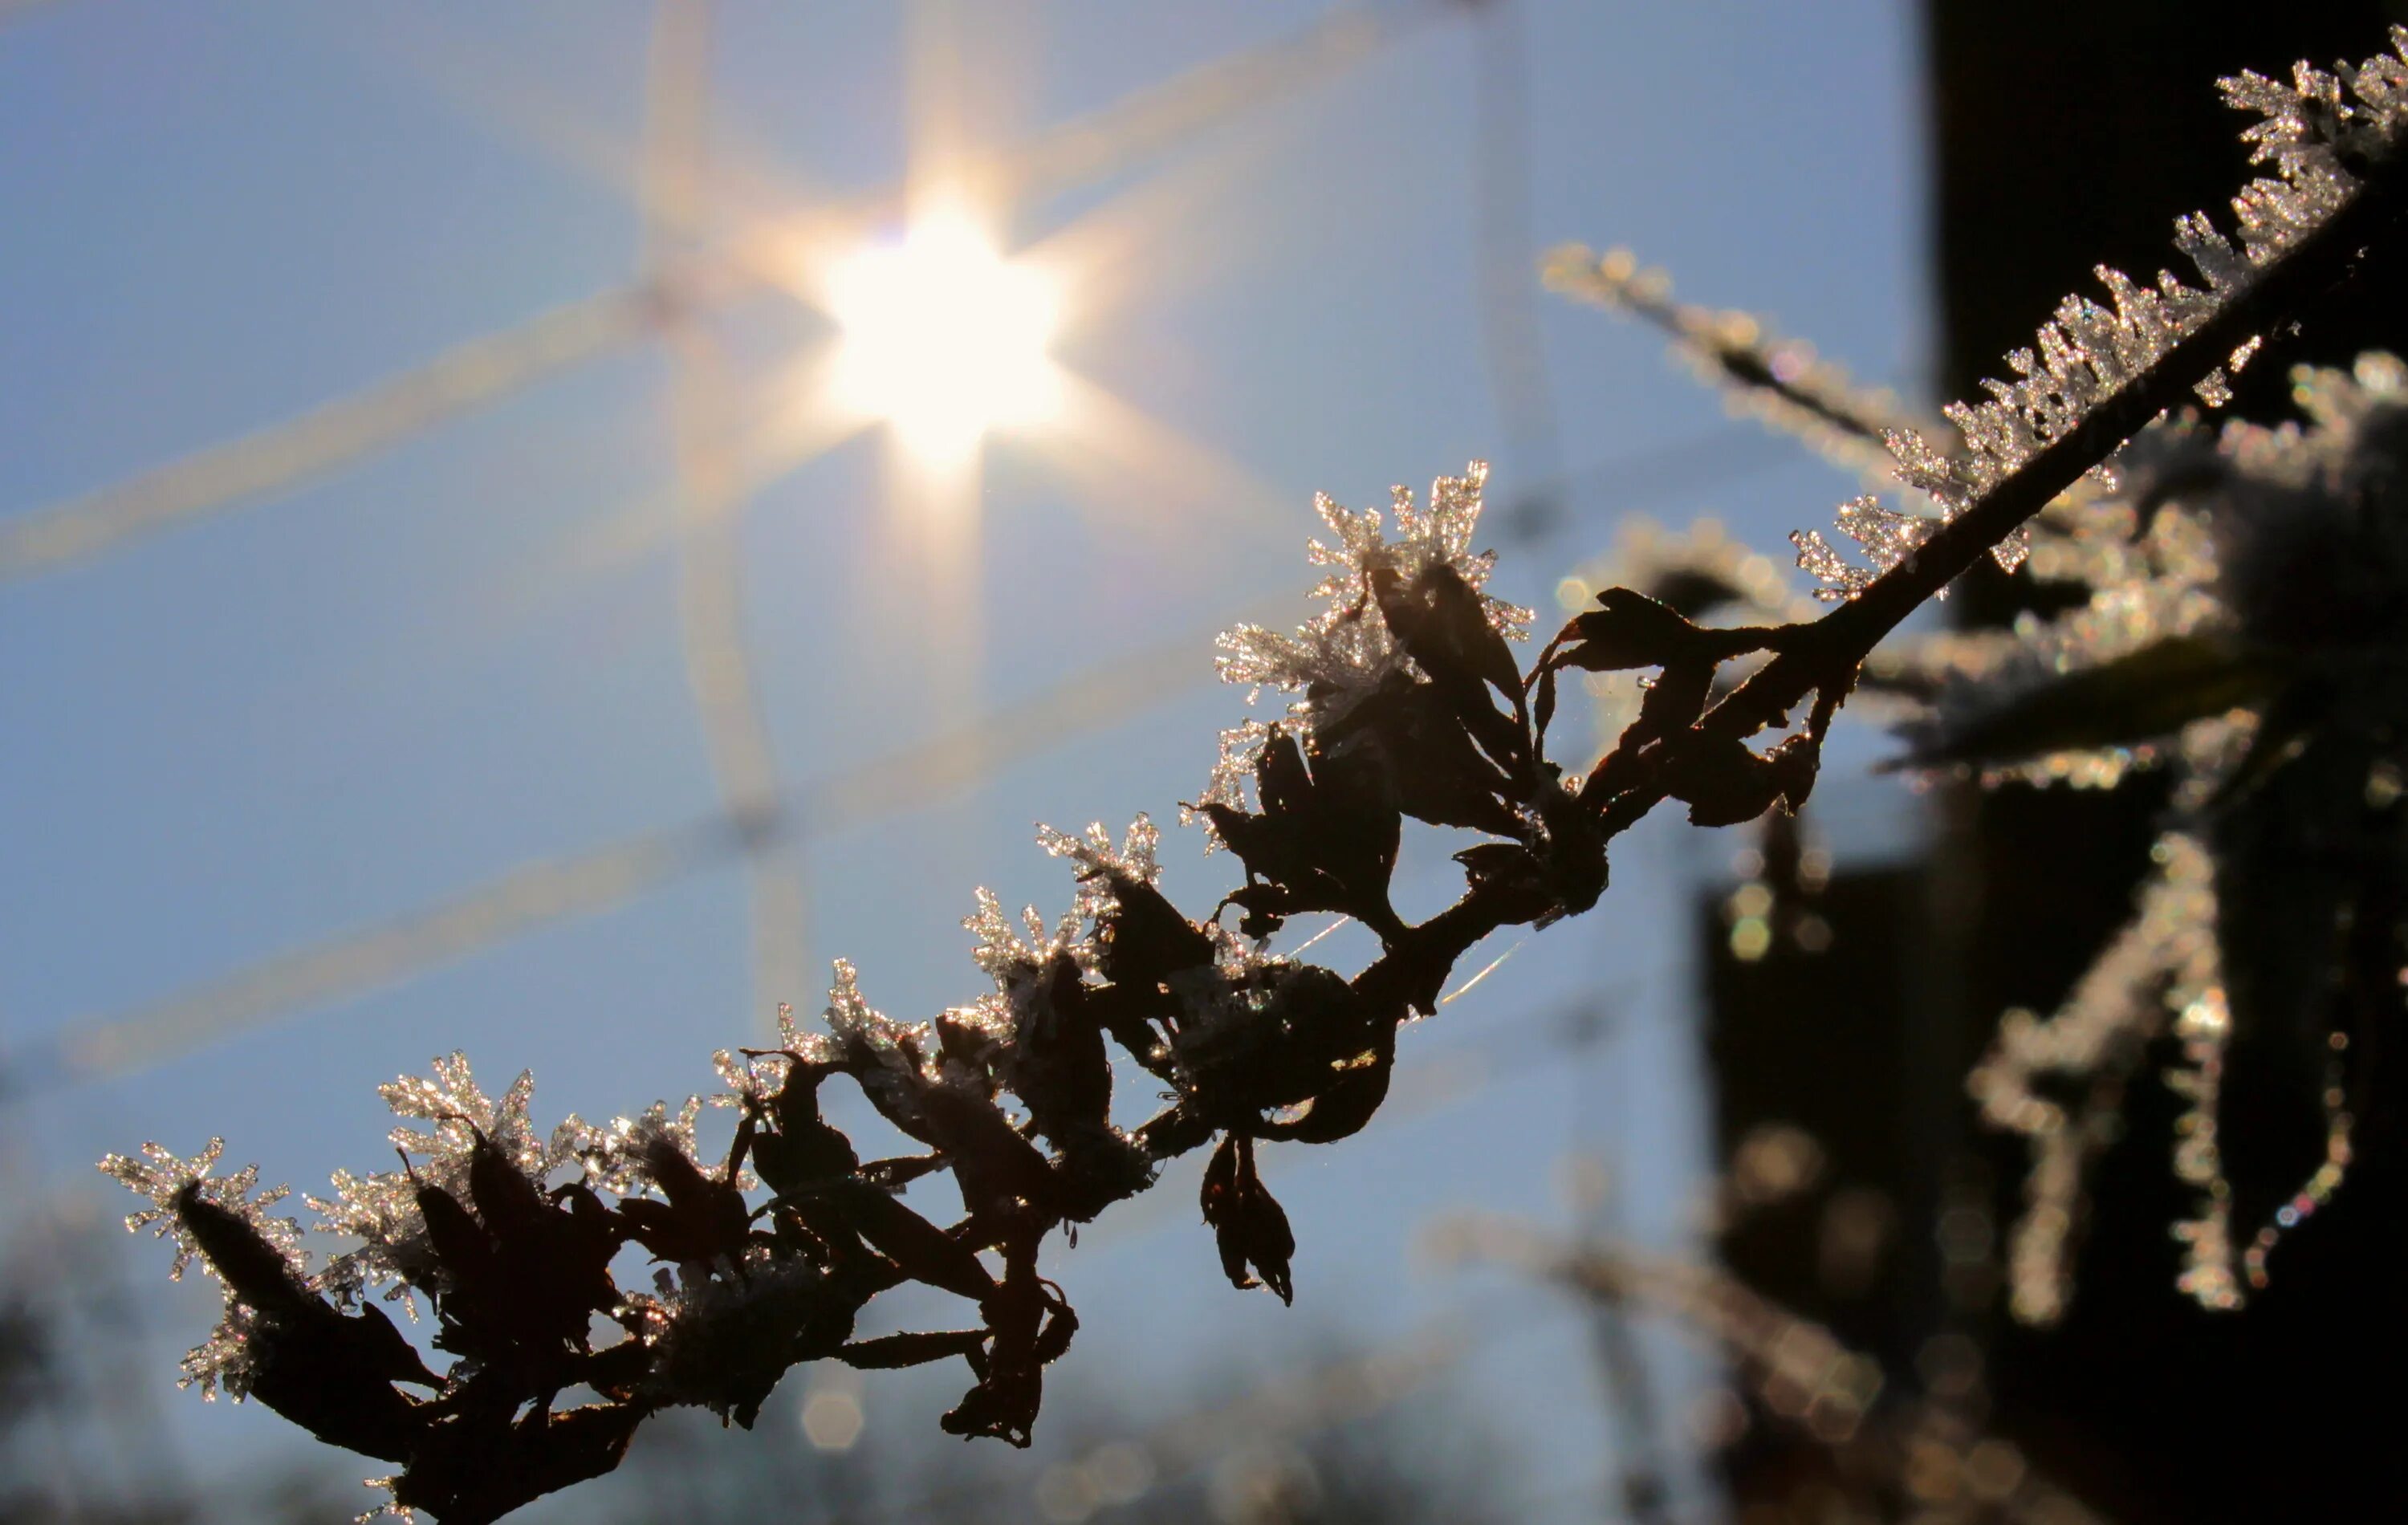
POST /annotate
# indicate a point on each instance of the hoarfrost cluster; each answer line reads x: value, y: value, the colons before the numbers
x: 1347, y: 652
x: 170, y: 1181
x: 381, y: 1209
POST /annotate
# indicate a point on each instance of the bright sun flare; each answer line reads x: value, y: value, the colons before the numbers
x: 944, y: 338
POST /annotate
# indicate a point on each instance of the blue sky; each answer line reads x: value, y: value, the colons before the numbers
x: 311, y: 712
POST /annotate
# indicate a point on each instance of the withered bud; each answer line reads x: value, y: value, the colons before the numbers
x: 1246, y: 1221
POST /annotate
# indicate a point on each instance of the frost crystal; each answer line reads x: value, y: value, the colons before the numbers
x: 224, y: 1362
x: 752, y: 1077
x: 1019, y: 966
x: 1888, y: 539
x: 1241, y: 750
x: 626, y: 1157
x: 390, y: 1508
x: 381, y: 1209
x: 2310, y: 132
x: 163, y: 1175
x: 1344, y: 652
x: 1008, y: 957
x: 1098, y: 861
x: 892, y: 1062
x: 858, y: 1028
x: 460, y: 1111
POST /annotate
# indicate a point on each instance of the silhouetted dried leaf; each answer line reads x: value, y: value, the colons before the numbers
x: 1248, y: 1223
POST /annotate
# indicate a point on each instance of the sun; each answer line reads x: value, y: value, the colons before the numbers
x: 944, y: 338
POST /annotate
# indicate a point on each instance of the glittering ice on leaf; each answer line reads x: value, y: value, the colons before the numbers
x: 859, y: 1027
x: 227, y: 1359
x: 381, y: 1209
x: 460, y: 1110
x: 1010, y: 957
x: 1344, y: 652
x: 1099, y: 860
x: 163, y: 1176
x: 1019, y: 958
x: 1233, y: 773
x: 224, y: 1362
x: 626, y: 1158
x: 751, y: 1078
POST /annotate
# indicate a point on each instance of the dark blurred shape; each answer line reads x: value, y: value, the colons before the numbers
x: 2071, y: 135
x: 24, y: 1363
x: 1814, y: 983
x: 2067, y: 136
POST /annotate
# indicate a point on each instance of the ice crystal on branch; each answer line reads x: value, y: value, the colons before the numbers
x: 462, y: 1114
x: 1010, y: 959
x: 1027, y: 970
x: 751, y: 1078
x: 1886, y: 535
x: 380, y: 1210
x: 227, y: 1361
x: 2318, y: 132
x: 1345, y: 653
x: 216, y: 1220
x: 891, y: 1060
x: 860, y: 1028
